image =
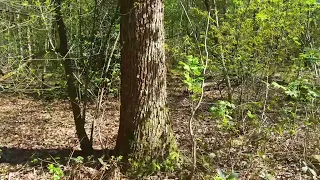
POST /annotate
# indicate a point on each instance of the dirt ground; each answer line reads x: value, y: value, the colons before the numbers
x: 34, y: 129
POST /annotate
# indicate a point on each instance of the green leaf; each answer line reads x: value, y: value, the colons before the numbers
x: 233, y: 176
x: 261, y: 16
x: 270, y: 177
x: 25, y: 3
x: 250, y: 115
x: 296, y: 41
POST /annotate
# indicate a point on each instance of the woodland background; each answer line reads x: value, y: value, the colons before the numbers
x: 243, y: 76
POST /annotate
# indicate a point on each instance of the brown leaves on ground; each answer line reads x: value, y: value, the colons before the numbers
x: 32, y: 128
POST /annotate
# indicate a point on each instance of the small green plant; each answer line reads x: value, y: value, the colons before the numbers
x: 149, y: 166
x: 310, y: 57
x: 221, y: 175
x: 300, y: 90
x: 116, y: 160
x: 173, y: 160
x: 34, y: 160
x: 142, y: 168
x: 192, y: 74
x: 223, y: 111
x: 56, y: 171
x: 78, y: 160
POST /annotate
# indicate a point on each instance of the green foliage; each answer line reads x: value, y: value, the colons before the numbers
x: 56, y: 171
x: 192, y: 73
x: 172, y: 162
x: 35, y: 160
x: 143, y: 168
x: 149, y: 166
x: 250, y: 115
x: 225, y: 176
x: 78, y: 160
x: 260, y: 41
x: 116, y: 159
x: 223, y: 111
x: 300, y: 89
x: 310, y: 57
x: 34, y: 36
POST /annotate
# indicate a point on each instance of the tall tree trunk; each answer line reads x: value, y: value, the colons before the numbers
x: 85, y: 143
x: 145, y: 128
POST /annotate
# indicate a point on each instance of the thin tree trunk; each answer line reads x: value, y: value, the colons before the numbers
x: 224, y: 66
x: 20, y: 37
x: 29, y: 42
x: 85, y: 144
x: 145, y: 128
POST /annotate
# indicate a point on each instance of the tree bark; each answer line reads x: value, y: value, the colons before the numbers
x: 145, y: 128
x: 85, y: 143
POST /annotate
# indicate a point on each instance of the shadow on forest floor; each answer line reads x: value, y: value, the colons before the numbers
x: 16, y: 156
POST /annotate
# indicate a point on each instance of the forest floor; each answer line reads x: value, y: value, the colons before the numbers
x: 36, y: 132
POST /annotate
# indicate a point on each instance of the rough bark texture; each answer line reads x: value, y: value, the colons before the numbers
x: 85, y: 143
x: 145, y: 129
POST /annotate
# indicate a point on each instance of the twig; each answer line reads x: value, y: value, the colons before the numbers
x: 191, y: 129
x: 263, y: 115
